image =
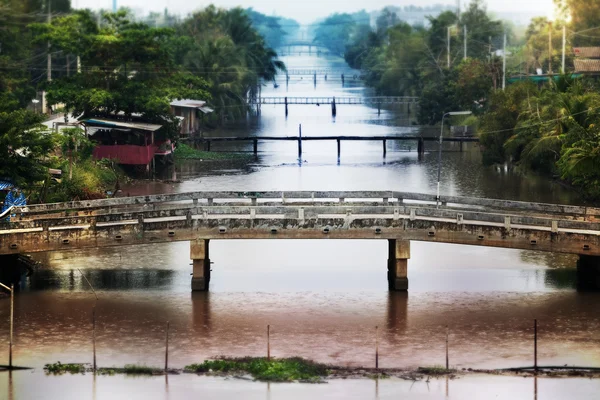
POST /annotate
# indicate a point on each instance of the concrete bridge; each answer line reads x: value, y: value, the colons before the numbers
x: 384, y: 215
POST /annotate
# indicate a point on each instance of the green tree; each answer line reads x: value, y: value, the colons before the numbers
x: 127, y: 68
x: 24, y: 148
x: 230, y: 54
x: 335, y: 32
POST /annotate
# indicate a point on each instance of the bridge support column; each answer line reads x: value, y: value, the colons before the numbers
x: 588, y: 273
x: 333, y: 108
x: 399, y: 253
x: 201, y: 265
x: 421, y: 146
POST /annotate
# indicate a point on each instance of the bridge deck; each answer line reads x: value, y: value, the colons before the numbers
x: 344, y: 138
x: 302, y: 215
x: 338, y: 100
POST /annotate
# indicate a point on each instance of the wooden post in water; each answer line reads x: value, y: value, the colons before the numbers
x: 167, y: 348
x: 421, y: 147
x: 315, y: 78
x: 379, y: 108
x: 268, y: 342
x: 255, y: 143
x: 333, y: 108
x: 377, y: 347
x: 535, y: 365
x: 339, y: 149
x: 12, y: 314
x: 286, y: 106
x: 300, y: 142
x: 384, y: 148
x: 94, y: 337
x: 447, y: 359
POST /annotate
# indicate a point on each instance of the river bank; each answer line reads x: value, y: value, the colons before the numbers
x: 17, y: 385
x: 301, y: 370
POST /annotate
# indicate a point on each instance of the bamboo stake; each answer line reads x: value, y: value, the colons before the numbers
x: 167, y: 348
x: 535, y: 363
x: 94, y: 336
x: 268, y: 342
x: 12, y: 314
x: 377, y: 347
x: 447, y: 358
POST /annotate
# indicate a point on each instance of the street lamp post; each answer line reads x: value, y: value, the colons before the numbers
x: 440, y: 147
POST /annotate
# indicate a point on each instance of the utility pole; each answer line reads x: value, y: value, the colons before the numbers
x: 448, y: 47
x: 550, y: 48
x: 49, y: 66
x: 504, y: 64
x: 465, y: 40
x: 564, y: 47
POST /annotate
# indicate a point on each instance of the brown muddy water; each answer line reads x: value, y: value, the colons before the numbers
x: 322, y: 298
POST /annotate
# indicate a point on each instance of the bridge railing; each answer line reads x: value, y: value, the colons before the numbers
x: 161, y: 216
x: 338, y: 100
x: 378, y: 198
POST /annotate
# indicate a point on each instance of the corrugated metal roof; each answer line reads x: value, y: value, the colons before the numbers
x: 587, y: 65
x: 120, y: 124
x: 188, y: 103
x: 587, y: 52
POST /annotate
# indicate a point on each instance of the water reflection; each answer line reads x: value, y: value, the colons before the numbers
x: 201, y: 313
x: 72, y: 280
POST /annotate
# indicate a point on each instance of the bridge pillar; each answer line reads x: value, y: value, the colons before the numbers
x: 588, y: 273
x: 399, y: 253
x: 201, y: 265
x: 333, y: 108
x: 421, y: 147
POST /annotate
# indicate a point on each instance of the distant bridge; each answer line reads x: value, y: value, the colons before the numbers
x: 303, y: 43
x: 419, y: 140
x: 397, y: 217
x: 321, y: 71
x: 334, y: 101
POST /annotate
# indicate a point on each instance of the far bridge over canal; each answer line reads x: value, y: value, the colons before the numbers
x: 397, y: 217
x: 377, y: 101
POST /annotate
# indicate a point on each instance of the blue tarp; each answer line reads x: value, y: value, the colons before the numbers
x: 5, y: 185
x: 14, y: 198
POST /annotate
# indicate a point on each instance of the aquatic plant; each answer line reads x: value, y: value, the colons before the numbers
x: 274, y: 370
x: 435, y: 370
x: 59, y: 368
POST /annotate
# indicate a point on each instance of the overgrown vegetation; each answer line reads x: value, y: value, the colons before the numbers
x: 554, y: 130
x: 550, y: 126
x: 186, y: 152
x: 435, y: 370
x: 59, y: 368
x: 275, y: 370
x: 107, y: 64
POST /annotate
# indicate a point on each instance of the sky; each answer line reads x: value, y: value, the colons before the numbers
x: 306, y: 11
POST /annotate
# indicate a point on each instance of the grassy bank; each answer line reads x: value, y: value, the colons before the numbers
x: 274, y: 370
x: 297, y: 369
x: 90, y: 180
x: 186, y: 152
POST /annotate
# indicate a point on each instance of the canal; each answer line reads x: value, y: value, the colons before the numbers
x: 322, y: 299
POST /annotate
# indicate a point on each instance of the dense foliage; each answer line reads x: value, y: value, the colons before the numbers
x: 553, y: 130
x: 548, y: 127
x: 225, y: 49
x: 108, y: 64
